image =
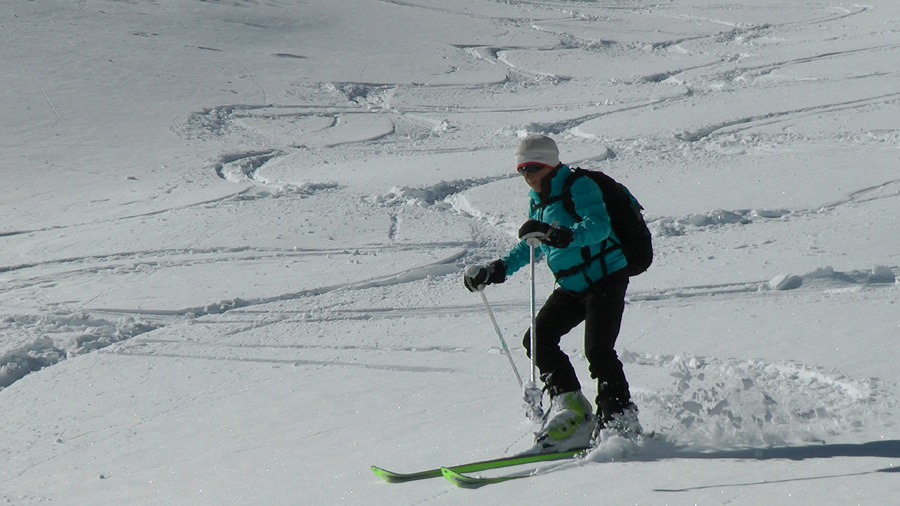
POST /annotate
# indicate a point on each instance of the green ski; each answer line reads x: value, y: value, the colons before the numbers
x: 466, y: 481
x: 473, y: 467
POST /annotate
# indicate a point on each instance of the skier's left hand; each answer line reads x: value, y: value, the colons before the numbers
x: 555, y: 237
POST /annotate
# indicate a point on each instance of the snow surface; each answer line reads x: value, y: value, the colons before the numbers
x: 233, y: 235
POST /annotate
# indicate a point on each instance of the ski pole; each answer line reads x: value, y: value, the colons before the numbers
x: 533, y: 316
x: 500, y: 335
x: 532, y: 393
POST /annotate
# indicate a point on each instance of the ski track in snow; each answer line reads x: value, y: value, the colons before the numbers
x: 386, y: 115
x: 86, y: 333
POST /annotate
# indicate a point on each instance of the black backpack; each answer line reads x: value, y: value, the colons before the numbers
x: 624, y: 215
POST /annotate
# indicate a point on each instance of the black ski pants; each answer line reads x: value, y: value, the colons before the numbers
x: 600, y: 307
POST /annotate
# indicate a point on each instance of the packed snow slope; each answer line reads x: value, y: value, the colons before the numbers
x: 233, y: 235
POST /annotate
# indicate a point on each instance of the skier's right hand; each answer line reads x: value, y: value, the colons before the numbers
x: 551, y: 235
x: 477, y: 276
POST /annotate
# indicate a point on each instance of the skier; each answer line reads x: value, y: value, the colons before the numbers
x: 592, y: 283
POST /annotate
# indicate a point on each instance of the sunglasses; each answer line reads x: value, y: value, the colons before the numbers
x: 531, y: 168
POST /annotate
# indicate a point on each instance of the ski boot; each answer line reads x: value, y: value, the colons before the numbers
x: 624, y: 425
x: 567, y: 424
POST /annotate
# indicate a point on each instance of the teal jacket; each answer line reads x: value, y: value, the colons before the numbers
x: 589, y: 237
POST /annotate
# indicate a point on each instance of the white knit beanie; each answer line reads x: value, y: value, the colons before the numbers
x: 536, y: 148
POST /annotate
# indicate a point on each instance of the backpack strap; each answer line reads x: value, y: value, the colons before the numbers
x: 565, y: 196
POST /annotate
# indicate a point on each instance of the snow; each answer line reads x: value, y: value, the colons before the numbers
x: 233, y: 235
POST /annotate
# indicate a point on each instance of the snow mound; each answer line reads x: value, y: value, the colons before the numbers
x: 430, y: 195
x: 721, y: 402
x: 829, y: 277
x: 34, y: 356
x: 676, y: 226
x: 785, y: 282
x: 74, y: 334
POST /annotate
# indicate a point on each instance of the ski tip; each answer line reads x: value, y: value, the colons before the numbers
x: 382, y: 473
x: 392, y: 477
x: 461, y: 480
x: 389, y: 476
x: 466, y: 481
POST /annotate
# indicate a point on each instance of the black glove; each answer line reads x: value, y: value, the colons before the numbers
x: 555, y: 237
x: 476, y: 277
